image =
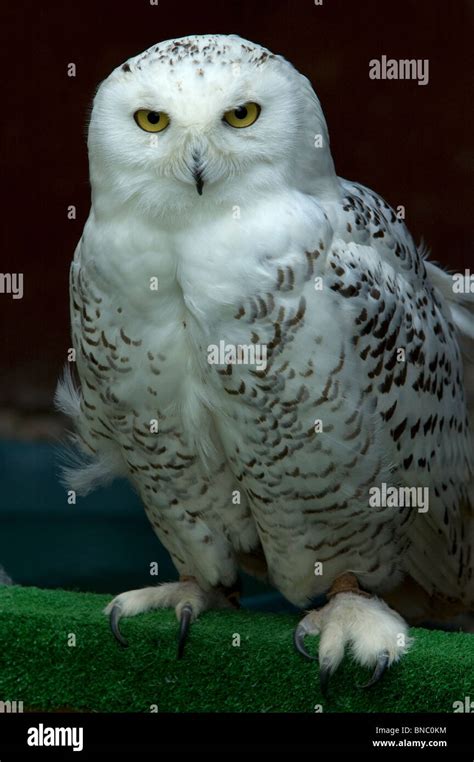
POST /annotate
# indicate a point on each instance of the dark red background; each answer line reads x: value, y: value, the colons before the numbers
x: 410, y: 143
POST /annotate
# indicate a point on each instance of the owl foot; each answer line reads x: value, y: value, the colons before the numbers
x: 376, y: 634
x: 186, y: 597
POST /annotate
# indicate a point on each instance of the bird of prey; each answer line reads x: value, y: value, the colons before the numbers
x: 267, y: 356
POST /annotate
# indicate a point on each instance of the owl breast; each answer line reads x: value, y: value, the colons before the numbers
x: 150, y: 308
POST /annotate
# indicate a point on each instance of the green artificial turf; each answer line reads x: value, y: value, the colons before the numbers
x: 263, y: 674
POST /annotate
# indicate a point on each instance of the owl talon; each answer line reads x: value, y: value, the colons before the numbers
x: 382, y: 663
x: 114, y: 618
x: 186, y: 598
x: 298, y: 640
x: 375, y: 633
x: 324, y: 675
x: 184, y: 622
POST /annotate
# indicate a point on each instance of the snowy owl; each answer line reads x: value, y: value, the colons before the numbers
x: 266, y: 355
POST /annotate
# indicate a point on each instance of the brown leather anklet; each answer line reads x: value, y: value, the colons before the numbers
x: 346, y: 583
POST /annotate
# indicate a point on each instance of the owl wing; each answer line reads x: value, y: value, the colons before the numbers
x: 410, y: 330
x: 440, y: 554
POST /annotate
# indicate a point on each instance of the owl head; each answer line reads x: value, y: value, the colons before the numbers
x: 205, y: 121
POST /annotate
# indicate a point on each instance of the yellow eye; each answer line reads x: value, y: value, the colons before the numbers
x: 151, y: 121
x: 243, y: 116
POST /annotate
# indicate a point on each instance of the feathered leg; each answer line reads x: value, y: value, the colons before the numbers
x: 377, y: 635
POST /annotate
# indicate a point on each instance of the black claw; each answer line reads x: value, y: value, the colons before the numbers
x: 380, y: 667
x: 324, y: 675
x: 184, y: 622
x: 114, y: 619
x: 298, y: 640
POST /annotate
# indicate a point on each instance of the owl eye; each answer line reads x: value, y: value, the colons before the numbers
x: 242, y: 116
x: 151, y: 121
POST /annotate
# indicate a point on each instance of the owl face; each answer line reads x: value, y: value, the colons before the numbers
x: 199, y: 121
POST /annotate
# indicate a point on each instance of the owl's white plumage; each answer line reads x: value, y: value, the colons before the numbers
x: 238, y: 263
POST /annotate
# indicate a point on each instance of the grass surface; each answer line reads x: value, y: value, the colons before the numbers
x: 264, y: 674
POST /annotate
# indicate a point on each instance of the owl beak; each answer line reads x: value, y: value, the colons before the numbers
x: 197, y: 171
x: 197, y: 174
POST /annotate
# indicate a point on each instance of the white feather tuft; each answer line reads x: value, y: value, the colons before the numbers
x: 85, y: 476
x: 67, y: 398
x: 83, y: 470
